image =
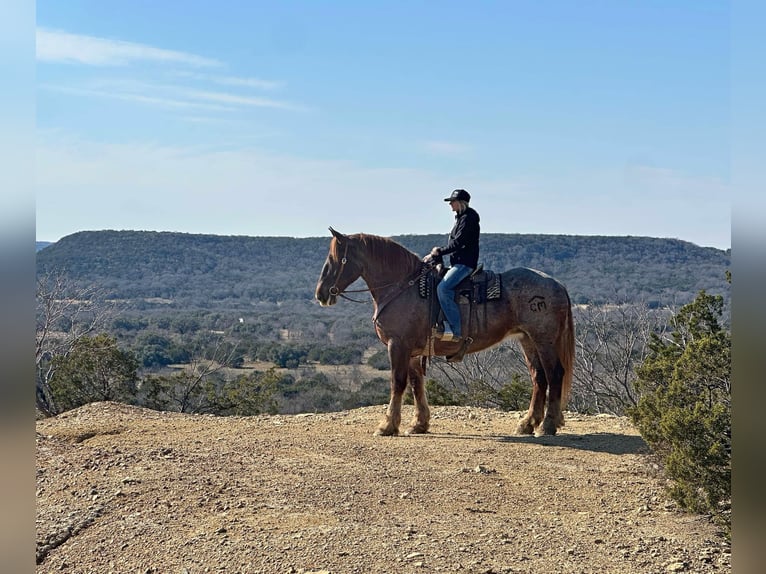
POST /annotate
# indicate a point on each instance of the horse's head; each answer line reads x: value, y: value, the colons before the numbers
x: 339, y: 270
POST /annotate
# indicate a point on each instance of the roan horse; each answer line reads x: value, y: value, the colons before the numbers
x: 533, y: 308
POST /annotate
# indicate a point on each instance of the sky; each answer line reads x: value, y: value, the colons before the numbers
x: 284, y: 118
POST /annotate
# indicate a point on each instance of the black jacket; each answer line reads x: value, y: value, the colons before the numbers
x: 463, y: 245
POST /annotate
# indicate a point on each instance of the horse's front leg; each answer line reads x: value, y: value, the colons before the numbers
x: 422, y: 416
x: 399, y: 357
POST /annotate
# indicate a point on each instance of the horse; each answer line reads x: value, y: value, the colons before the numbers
x: 533, y: 308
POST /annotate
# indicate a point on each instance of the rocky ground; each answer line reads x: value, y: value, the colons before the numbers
x: 127, y: 490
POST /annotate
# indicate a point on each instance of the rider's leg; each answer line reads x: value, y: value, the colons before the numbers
x: 446, y: 292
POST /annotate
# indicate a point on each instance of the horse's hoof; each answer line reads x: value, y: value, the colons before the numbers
x: 546, y: 429
x: 416, y: 430
x: 386, y: 432
x: 525, y: 428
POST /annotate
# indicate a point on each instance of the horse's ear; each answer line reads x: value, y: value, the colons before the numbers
x: 337, y: 234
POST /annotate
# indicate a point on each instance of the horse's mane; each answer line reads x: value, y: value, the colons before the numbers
x: 389, y: 253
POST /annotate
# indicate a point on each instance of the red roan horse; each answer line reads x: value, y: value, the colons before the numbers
x: 533, y: 308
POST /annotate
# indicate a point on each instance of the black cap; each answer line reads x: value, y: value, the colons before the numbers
x: 459, y: 195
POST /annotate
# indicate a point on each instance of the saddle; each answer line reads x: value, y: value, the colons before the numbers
x: 475, y: 290
x: 479, y: 287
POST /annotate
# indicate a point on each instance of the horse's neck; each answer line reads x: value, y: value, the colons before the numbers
x: 378, y: 278
x: 381, y: 276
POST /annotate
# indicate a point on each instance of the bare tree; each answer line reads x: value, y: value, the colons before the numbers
x: 195, y: 389
x: 612, y: 340
x: 480, y: 377
x: 65, y: 314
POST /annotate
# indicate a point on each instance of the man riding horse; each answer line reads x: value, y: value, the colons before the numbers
x: 532, y: 307
x: 463, y: 249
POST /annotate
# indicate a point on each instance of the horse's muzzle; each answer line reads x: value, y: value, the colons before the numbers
x: 327, y: 299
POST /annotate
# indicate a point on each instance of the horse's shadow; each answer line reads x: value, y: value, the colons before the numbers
x: 611, y: 443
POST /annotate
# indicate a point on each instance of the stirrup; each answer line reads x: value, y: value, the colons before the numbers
x: 457, y: 357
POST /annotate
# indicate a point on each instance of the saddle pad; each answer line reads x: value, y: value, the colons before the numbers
x: 484, y: 286
x: 494, y: 286
x: 481, y: 287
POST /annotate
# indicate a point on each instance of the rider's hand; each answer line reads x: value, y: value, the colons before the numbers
x: 433, y: 256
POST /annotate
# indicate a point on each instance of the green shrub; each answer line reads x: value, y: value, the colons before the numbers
x: 439, y: 395
x: 380, y: 361
x: 253, y: 394
x: 95, y: 370
x: 684, y: 409
x: 515, y: 396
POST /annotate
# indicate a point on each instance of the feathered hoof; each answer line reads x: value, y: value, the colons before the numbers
x: 385, y: 430
x: 548, y: 428
x: 525, y: 428
x: 416, y: 429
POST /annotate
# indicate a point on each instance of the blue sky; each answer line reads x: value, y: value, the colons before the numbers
x: 283, y: 118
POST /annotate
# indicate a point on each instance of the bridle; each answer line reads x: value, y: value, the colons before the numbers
x: 336, y: 292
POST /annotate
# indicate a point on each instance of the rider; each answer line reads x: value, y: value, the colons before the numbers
x: 463, y: 249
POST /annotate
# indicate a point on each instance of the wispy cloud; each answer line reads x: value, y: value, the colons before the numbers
x: 253, y: 83
x: 248, y: 83
x: 58, y: 46
x: 661, y: 182
x: 194, y: 89
x: 170, y: 96
x: 159, y: 101
x: 226, y: 98
x: 445, y: 148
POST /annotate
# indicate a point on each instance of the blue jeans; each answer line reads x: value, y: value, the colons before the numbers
x: 446, y: 292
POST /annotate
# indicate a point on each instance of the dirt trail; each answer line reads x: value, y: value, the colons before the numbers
x: 127, y: 490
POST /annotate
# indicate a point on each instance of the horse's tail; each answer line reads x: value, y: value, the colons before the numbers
x: 565, y: 348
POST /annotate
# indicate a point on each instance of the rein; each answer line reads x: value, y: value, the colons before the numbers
x: 334, y: 291
x: 402, y: 288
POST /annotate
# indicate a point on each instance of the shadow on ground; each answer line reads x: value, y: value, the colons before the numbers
x: 611, y: 443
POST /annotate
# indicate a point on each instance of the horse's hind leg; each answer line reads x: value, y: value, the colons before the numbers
x: 422, y: 416
x: 554, y: 418
x: 399, y: 358
x: 534, y: 416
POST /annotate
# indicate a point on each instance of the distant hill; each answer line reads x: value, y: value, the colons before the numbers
x: 210, y: 271
x: 42, y: 245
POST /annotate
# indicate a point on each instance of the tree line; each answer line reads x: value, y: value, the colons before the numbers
x: 178, y: 271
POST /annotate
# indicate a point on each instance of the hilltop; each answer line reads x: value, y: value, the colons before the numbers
x: 124, y: 489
